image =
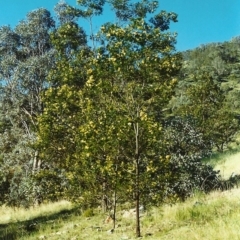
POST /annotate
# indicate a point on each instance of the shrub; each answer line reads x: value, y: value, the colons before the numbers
x: 187, y: 149
x: 88, y: 212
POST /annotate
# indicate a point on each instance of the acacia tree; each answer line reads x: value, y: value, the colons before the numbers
x: 115, y: 120
x: 138, y: 66
x: 57, y: 124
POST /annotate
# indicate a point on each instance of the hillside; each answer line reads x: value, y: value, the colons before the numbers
x: 117, y: 115
x: 221, y: 61
x: 229, y: 164
x: 212, y: 216
x: 116, y: 122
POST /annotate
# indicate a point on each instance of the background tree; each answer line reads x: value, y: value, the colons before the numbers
x: 206, y: 103
x: 26, y: 57
x: 221, y: 62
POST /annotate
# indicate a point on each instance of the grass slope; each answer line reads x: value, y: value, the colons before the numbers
x: 227, y: 162
x: 215, y: 216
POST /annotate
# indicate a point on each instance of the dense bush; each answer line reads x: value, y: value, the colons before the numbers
x: 187, y: 148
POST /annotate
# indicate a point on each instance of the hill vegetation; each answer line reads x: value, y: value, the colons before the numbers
x: 114, y: 118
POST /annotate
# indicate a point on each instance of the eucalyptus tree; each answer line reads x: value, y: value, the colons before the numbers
x: 26, y: 57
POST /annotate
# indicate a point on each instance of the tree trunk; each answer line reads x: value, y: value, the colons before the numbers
x: 36, y: 163
x: 137, y: 194
x: 115, y: 197
x: 137, y: 197
x: 104, y: 198
x: 114, y: 208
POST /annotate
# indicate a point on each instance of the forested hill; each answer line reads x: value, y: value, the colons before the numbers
x: 219, y: 60
x: 209, y: 90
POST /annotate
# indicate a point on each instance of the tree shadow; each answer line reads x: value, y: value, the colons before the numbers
x: 15, y: 230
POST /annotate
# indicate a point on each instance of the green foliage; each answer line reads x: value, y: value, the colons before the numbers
x: 163, y: 19
x: 206, y: 103
x: 58, y: 124
x: 26, y: 58
x: 68, y: 38
x: 221, y: 61
x: 94, y: 123
x: 127, y: 9
x: 92, y: 7
x: 187, y: 147
x: 88, y: 212
x: 65, y: 13
x: 51, y: 184
x: 106, y: 133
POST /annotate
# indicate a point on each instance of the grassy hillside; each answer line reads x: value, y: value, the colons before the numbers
x: 227, y: 162
x: 215, y: 216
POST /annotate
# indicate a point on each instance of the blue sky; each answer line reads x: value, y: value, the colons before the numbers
x: 200, y: 21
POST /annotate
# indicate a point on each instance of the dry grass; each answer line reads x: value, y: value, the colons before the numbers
x: 10, y: 215
x: 227, y: 162
x: 215, y: 216
x: 209, y: 217
x: 230, y: 163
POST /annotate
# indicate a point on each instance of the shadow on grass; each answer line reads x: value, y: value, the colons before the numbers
x: 13, y: 231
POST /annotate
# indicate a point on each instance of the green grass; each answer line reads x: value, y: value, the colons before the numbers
x: 214, y: 216
x: 16, y: 223
x: 227, y: 162
x: 12, y: 215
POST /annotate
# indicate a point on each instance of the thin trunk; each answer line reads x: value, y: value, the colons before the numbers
x: 36, y: 164
x: 114, y: 208
x: 115, y: 198
x: 91, y: 34
x: 137, y: 194
x: 104, y: 198
x: 138, y: 231
x: 39, y: 162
